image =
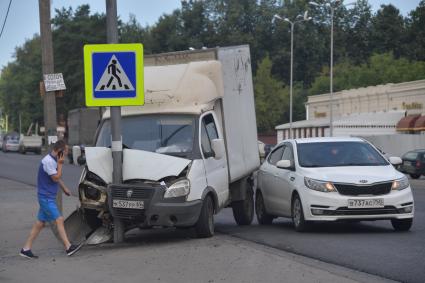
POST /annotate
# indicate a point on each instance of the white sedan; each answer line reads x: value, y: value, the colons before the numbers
x: 329, y: 179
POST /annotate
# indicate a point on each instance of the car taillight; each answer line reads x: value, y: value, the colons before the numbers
x: 418, y: 164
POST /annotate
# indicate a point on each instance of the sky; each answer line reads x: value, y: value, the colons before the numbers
x: 23, y: 19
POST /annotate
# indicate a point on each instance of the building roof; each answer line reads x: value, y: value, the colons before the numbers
x: 321, y: 122
x: 376, y: 119
x: 329, y: 139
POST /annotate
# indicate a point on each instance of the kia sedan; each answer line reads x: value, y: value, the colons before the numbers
x: 331, y: 179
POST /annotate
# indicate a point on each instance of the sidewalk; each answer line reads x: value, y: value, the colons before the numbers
x: 157, y: 255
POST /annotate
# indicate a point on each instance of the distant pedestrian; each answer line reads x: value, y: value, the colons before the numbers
x: 48, y: 181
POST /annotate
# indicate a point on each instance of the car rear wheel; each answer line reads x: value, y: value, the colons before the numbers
x: 243, y: 210
x: 260, y: 210
x: 300, y: 224
x: 415, y: 176
x: 402, y: 224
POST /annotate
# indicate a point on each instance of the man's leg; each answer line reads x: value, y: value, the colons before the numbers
x: 36, y: 228
x: 62, y: 233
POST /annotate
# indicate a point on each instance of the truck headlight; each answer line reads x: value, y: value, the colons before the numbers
x: 321, y: 186
x: 400, y: 184
x: 178, y: 189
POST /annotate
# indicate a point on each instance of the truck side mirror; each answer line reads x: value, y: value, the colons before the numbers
x: 76, y: 154
x: 217, y: 146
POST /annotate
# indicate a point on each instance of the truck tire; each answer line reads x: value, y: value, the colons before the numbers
x: 243, y: 210
x: 118, y: 231
x: 205, y: 225
x: 260, y: 210
x: 402, y: 224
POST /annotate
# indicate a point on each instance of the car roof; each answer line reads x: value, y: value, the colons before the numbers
x: 328, y: 139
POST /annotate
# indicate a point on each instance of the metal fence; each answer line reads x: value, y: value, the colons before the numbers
x: 397, y: 145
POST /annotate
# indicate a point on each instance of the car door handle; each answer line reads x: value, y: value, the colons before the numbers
x: 276, y: 175
x: 292, y: 179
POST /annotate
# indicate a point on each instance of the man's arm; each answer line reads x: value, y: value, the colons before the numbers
x: 64, y: 187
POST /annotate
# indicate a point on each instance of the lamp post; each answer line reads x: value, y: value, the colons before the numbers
x: 298, y: 19
x: 332, y: 5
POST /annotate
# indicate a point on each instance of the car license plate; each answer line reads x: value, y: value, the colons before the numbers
x: 134, y: 204
x: 366, y: 203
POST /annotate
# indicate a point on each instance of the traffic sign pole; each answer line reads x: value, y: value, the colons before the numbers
x: 112, y: 37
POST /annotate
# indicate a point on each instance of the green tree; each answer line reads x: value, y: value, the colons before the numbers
x: 271, y: 98
x: 416, y: 33
x: 388, y: 31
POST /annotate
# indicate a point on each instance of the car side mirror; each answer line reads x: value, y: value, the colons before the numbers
x: 394, y: 160
x: 284, y: 164
x: 217, y: 146
x: 76, y: 155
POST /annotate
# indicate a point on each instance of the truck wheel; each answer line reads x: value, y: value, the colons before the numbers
x: 415, y: 176
x: 118, y: 231
x: 300, y: 224
x: 402, y: 224
x: 260, y: 210
x: 205, y: 225
x: 243, y: 210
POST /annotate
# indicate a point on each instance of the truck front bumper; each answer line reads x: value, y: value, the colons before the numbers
x: 157, y: 211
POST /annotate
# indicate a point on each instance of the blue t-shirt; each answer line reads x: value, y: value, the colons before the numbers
x: 47, y: 188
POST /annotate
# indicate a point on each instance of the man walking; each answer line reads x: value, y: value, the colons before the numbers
x: 48, y: 179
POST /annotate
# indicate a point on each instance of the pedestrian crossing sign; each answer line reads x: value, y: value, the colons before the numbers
x: 113, y: 74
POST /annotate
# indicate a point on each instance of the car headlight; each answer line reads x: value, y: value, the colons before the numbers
x: 400, y: 184
x: 178, y: 189
x: 321, y: 186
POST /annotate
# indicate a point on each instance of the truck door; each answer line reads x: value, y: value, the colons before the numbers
x: 215, y: 169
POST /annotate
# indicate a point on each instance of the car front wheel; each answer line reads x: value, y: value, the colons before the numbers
x: 260, y: 210
x: 402, y: 224
x: 300, y: 224
x: 415, y: 176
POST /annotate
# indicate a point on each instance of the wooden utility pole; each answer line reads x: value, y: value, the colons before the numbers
x: 49, y: 98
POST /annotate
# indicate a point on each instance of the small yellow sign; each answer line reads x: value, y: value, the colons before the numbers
x: 113, y: 74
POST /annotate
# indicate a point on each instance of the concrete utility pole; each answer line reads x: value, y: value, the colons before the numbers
x: 49, y: 100
x: 112, y: 37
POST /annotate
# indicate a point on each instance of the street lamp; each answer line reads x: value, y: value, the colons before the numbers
x: 298, y: 19
x: 332, y: 5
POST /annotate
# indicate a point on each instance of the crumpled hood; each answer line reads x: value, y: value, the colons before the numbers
x: 137, y: 164
x: 353, y: 174
x: 140, y: 164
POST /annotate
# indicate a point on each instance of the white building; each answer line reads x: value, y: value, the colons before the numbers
x: 377, y: 110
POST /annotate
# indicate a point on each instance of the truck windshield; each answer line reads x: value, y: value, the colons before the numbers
x: 331, y: 154
x: 168, y: 134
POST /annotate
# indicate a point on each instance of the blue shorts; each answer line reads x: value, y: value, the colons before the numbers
x: 48, y: 210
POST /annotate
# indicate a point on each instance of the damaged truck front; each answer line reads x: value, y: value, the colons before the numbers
x: 190, y: 151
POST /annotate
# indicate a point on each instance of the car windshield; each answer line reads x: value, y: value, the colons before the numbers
x: 168, y: 134
x: 332, y: 154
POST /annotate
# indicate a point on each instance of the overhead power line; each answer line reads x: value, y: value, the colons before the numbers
x: 5, y: 18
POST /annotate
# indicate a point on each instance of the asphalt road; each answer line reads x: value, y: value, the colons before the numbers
x: 371, y: 247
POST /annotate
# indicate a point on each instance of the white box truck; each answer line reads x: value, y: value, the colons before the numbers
x: 190, y: 151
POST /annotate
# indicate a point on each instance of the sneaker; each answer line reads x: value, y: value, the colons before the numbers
x: 73, y: 249
x: 27, y: 254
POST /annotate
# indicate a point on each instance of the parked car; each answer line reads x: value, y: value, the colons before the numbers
x: 413, y: 163
x: 10, y: 144
x: 30, y: 143
x: 330, y: 179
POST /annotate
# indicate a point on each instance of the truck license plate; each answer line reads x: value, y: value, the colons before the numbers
x: 134, y: 204
x: 366, y: 203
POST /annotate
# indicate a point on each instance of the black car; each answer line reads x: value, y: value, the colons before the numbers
x: 413, y: 163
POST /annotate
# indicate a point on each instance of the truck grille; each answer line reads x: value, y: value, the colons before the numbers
x: 138, y: 192
x: 355, y: 190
